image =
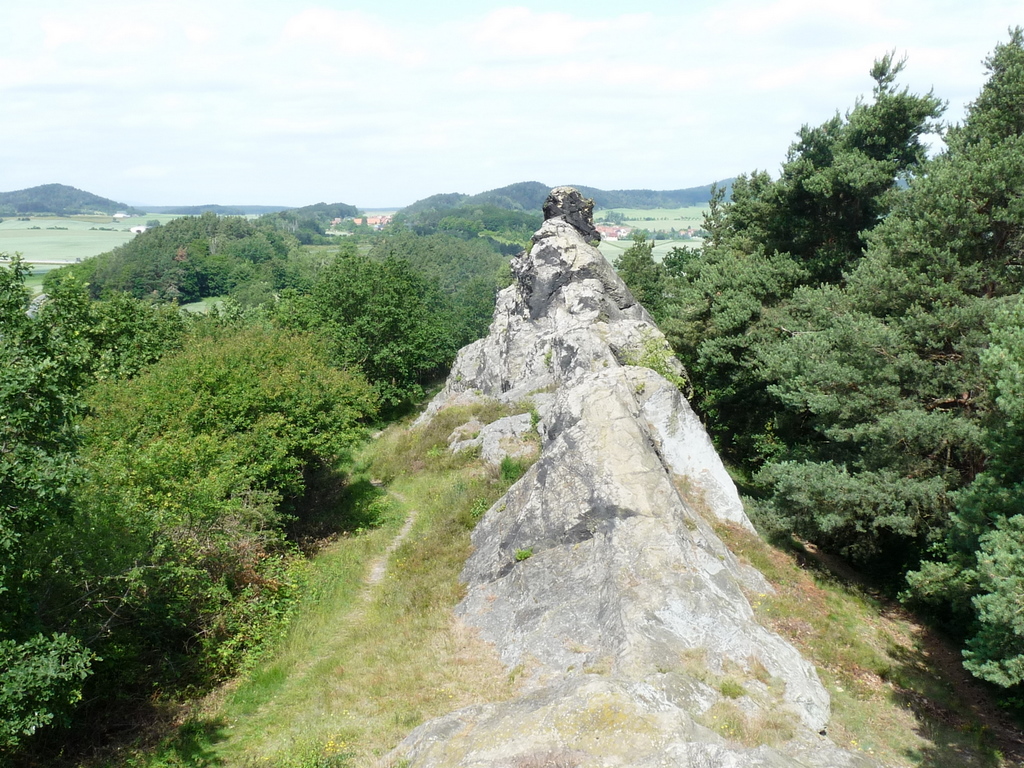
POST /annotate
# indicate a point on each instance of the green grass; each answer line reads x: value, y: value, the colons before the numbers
x: 203, y: 306
x: 76, y: 241
x: 654, y: 219
x: 34, y: 282
x: 612, y: 249
x: 68, y: 238
x: 363, y: 666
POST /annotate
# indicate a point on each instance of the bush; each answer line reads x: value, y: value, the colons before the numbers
x: 39, y: 680
x: 196, y: 471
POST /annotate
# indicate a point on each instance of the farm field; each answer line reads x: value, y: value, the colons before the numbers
x: 656, y: 219
x: 612, y: 249
x: 62, y: 239
x: 50, y: 241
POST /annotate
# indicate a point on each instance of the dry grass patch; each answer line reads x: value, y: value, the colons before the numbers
x: 399, y: 451
x: 888, y: 700
x: 771, y: 727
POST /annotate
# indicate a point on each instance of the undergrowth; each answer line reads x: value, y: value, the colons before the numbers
x: 363, y: 666
x: 888, y: 701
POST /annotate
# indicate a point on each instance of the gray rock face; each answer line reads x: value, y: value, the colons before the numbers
x: 600, y: 574
x: 505, y: 437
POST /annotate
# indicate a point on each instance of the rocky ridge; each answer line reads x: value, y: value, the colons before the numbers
x: 600, y: 575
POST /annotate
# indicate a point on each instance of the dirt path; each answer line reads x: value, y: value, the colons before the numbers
x: 375, y: 573
x: 379, y: 565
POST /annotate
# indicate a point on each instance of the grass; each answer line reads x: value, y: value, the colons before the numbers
x: 363, y: 666
x: 203, y: 306
x: 612, y: 249
x: 68, y: 238
x: 75, y: 240
x: 772, y: 727
x: 888, y: 700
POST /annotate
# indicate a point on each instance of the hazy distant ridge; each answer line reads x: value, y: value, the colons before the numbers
x: 529, y: 196
x: 525, y: 196
x: 59, y: 199
x: 220, y: 210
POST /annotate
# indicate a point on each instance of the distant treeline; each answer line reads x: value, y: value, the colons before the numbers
x: 320, y: 211
x: 220, y: 210
x: 529, y: 196
x: 509, y: 230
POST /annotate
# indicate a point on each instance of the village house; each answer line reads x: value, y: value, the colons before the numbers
x: 614, y: 232
x: 377, y: 222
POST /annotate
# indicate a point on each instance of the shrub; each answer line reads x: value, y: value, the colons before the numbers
x: 196, y: 470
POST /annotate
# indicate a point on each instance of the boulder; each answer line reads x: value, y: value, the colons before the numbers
x: 509, y: 437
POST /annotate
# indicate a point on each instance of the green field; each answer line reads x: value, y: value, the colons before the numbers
x: 62, y: 239
x: 657, y: 219
x: 203, y: 306
x: 612, y: 249
x: 50, y: 241
x: 654, y: 220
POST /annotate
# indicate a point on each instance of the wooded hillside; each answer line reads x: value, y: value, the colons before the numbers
x: 58, y: 199
x: 852, y: 329
x: 529, y: 196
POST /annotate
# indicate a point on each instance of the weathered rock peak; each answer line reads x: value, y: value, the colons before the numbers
x: 629, y: 612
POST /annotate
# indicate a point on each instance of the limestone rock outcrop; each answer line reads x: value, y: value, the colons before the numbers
x: 600, y: 574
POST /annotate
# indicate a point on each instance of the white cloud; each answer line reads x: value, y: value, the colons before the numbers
x: 262, y: 101
x: 146, y: 172
x: 348, y: 34
x: 520, y: 33
x: 200, y: 35
x: 104, y: 36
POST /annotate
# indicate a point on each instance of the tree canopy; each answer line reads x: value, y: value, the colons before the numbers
x: 851, y: 328
x: 190, y: 258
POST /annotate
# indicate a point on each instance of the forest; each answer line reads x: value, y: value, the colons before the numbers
x: 58, y: 199
x: 164, y: 475
x: 852, y: 331
x: 530, y: 195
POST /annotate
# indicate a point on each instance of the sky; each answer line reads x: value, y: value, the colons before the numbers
x: 379, y: 104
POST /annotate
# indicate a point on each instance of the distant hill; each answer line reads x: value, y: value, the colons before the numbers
x: 649, y: 198
x: 61, y: 200
x: 220, y: 210
x: 529, y: 196
x: 325, y: 212
x: 318, y: 211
